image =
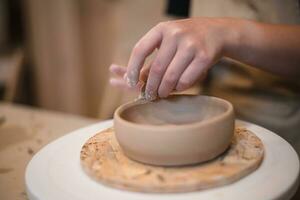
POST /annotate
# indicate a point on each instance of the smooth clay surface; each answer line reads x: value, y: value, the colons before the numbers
x: 174, y: 111
x: 178, y: 130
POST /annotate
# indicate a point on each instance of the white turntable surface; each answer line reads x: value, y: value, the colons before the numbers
x: 55, y: 173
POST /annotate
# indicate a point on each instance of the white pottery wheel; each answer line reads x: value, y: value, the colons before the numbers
x: 55, y: 173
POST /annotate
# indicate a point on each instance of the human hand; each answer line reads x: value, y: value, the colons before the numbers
x: 186, y: 50
x: 118, y: 78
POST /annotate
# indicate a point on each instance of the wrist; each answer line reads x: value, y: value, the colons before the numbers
x: 232, y: 37
x: 239, y: 37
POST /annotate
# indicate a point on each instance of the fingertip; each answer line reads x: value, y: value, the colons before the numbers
x: 160, y: 92
x: 131, y: 81
x: 125, y: 76
x: 112, y: 81
x: 117, y: 69
x: 112, y: 67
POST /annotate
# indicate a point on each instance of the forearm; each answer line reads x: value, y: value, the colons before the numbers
x: 187, y: 49
x: 274, y: 48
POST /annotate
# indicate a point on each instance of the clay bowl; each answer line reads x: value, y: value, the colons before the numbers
x: 179, y: 130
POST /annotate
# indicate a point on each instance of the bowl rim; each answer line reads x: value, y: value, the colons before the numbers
x: 220, y: 117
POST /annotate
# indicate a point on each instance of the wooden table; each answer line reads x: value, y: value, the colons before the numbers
x: 23, y: 131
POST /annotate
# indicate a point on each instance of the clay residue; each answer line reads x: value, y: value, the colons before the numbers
x: 150, y: 96
x: 12, y: 134
x: 2, y: 120
x: 30, y: 151
x: 5, y: 170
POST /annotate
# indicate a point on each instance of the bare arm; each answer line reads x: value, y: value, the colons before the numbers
x: 274, y: 48
x: 188, y: 48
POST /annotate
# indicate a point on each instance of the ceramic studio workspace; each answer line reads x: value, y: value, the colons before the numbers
x: 149, y: 100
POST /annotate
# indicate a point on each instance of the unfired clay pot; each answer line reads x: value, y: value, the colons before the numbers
x: 179, y: 130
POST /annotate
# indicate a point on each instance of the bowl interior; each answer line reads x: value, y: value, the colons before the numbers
x: 175, y: 110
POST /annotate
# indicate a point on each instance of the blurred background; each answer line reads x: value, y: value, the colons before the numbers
x: 55, y: 54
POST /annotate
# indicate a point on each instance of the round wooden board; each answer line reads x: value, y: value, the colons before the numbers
x: 103, y: 160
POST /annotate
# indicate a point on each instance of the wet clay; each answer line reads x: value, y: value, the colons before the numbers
x: 173, y: 111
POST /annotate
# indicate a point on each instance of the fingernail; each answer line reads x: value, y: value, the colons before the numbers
x: 112, y: 81
x: 132, y: 77
x: 150, y: 96
x: 112, y: 66
x: 126, y: 79
x: 129, y: 82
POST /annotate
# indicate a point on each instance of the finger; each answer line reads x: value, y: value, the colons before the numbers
x: 117, y: 70
x: 120, y: 83
x: 144, y: 73
x: 174, y: 71
x: 159, y: 65
x: 192, y: 73
x: 141, y: 50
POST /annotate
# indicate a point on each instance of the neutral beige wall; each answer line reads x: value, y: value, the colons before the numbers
x: 272, y: 11
x: 132, y: 19
x: 53, y: 34
x: 73, y: 43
